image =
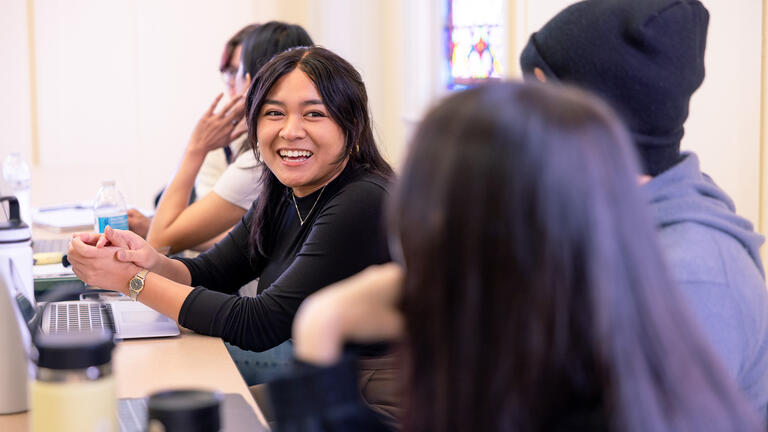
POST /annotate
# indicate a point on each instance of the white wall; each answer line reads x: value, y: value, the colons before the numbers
x: 15, y: 128
x: 120, y: 85
x: 724, y: 125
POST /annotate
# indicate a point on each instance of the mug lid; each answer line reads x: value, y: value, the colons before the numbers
x: 75, y: 351
x: 14, y: 234
x: 187, y: 410
x: 14, y: 230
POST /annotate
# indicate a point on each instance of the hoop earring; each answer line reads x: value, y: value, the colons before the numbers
x: 258, y: 153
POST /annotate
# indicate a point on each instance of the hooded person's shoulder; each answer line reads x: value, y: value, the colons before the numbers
x: 699, y: 230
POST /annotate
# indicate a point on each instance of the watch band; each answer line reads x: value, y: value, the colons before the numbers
x: 137, y: 284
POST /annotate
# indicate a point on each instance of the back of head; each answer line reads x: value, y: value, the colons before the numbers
x: 268, y: 40
x: 535, y: 295
x: 646, y: 58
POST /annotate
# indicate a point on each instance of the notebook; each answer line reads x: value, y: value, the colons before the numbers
x: 74, y: 217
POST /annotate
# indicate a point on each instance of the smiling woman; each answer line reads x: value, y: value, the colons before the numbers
x: 308, y: 100
x: 318, y: 219
x: 300, y: 143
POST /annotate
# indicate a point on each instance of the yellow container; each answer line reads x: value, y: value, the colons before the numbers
x: 73, y: 403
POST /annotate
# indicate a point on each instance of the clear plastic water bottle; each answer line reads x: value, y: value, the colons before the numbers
x: 16, y: 176
x: 109, y: 209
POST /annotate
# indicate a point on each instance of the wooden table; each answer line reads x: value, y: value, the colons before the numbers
x: 143, y: 366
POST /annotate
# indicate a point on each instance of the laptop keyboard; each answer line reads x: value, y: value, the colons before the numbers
x: 67, y: 318
x: 60, y: 245
x: 132, y: 414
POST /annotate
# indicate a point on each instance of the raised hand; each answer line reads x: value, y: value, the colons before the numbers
x: 239, y: 130
x: 214, y: 130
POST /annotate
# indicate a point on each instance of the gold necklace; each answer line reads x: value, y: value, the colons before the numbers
x: 301, y: 221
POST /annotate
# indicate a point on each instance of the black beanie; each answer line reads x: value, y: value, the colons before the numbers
x: 645, y: 57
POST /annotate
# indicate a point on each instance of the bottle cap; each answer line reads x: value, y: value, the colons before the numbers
x: 14, y: 230
x: 75, y: 351
x: 107, y: 182
x: 185, y: 410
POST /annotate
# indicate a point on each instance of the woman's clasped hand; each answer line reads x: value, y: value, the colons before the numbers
x: 110, y: 260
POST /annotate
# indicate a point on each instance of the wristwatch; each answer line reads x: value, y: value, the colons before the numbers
x: 137, y: 284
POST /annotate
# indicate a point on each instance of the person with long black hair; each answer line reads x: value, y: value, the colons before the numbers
x: 178, y: 225
x: 318, y: 219
x: 533, y: 294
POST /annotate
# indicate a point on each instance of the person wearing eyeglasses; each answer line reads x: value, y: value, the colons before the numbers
x: 179, y: 225
x: 215, y: 162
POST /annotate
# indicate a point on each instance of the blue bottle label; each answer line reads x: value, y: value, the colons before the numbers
x: 116, y: 222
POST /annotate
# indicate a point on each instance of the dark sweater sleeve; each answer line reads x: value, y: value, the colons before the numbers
x: 322, y: 399
x: 347, y: 236
x: 229, y: 264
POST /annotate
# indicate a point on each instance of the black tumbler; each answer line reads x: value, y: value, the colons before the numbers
x: 184, y: 410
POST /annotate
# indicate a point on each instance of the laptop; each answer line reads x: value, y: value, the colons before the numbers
x: 235, y: 413
x: 127, y: 319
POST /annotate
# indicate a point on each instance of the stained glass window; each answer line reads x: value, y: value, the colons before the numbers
x: 474, y: 36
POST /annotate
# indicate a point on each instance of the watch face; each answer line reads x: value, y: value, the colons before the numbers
x: 136, y: 284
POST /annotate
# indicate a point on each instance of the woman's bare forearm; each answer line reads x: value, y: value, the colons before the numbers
x: 173, y: 270
x: 175, y: 199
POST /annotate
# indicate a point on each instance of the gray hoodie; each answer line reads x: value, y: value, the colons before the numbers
x: 713, y: 255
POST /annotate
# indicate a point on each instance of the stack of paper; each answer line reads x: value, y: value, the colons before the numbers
x: 64, y: 218
x: 52, y: 271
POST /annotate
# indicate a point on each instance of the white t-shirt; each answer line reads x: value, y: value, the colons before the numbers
x: 239, y: 183
x: 213, y: 167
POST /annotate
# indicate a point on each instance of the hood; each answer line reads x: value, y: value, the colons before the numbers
x: 684, y: 194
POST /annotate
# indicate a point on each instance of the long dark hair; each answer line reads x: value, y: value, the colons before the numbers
x: 343, y: 93
x: 535, y: 293
x: 269, y: 39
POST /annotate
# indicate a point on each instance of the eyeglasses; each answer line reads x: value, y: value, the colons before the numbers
x: 228, y: 75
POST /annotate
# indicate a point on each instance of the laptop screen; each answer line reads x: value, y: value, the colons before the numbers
x: 26, y: 309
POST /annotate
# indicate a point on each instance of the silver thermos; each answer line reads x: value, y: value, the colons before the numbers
x: 15, y: 280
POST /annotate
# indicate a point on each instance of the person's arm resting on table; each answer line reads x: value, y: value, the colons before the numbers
x: 166, y: 286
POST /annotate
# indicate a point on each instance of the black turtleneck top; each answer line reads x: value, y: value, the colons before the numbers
x: 341, y: 236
